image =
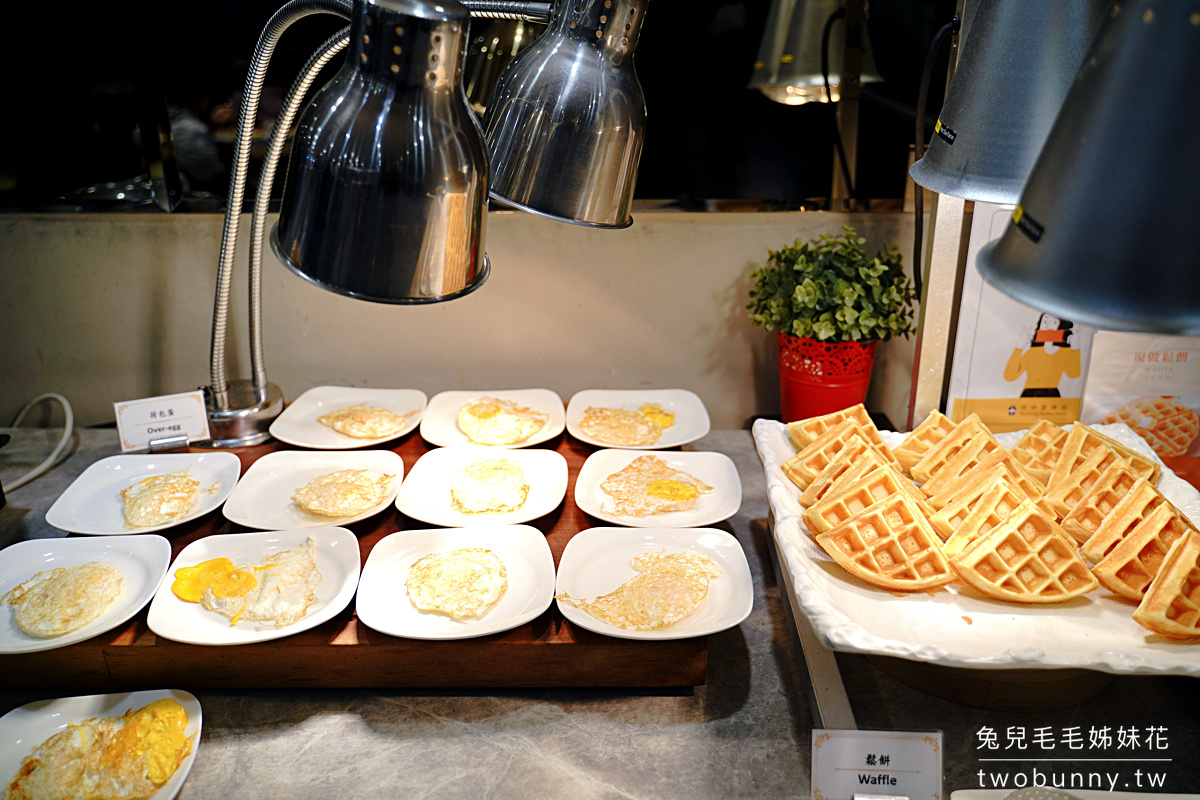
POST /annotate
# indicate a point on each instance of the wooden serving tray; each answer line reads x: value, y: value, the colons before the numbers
x: 548, y: 652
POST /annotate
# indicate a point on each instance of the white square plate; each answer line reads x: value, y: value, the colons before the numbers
x: 425, y: 494
x: 715, y: 469
x: 141, y: 559
x: 596, y: 561
x: 263, y: 498
x: 955, y: 627
x: 24, y: 728
x: 298, y: 423
x: 383, y: 602
x: 440, y: 423
x: 691, y: 417
x: 337, y: 560
x: 92, y: 504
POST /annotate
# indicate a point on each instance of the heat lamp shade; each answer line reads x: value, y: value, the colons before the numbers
x: 1105, y: 232
x: 386, y: 191
x: 1017, y: 61
x: 790, y: 71
x: 566, y: 121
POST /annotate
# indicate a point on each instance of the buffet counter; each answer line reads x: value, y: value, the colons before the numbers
x: 745, y: 732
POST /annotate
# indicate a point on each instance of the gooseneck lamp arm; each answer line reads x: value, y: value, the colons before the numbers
x: 509, y: 9
x: 240, y: 411
x: 258, y: 223
x: 227, y: 423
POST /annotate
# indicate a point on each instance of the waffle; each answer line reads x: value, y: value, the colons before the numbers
x: 1129, y: 567
x: 970, y: 521
x: 937, y: 456
x: 1025, y: 559
x: 1082, y: 440
x: 868, y: 463
x: 1085, y: 516
x: 878, y: 484
x: 931, y: 431
x: 1039, y: 448
x: 889, y: 545
x: 1136, y: 505
x: 945, y: 520
x: 803, y: 468
x: 1172, y: 603
x: 974, y: 482
x: 1066, y: 493
x: 978, y: 451
x: 856, y: 457
x: 1168, y: 427
x: 804, y: 432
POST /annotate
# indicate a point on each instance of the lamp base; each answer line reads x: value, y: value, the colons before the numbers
x: 248, y: 414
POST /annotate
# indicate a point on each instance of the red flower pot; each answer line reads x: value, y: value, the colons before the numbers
x: 818, y: 378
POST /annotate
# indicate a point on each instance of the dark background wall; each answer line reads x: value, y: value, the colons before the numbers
x: 76, y: 82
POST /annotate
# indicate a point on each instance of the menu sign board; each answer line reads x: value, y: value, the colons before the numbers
x: 846, y: 763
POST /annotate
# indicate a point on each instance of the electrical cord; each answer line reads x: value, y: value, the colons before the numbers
x: 52, y: 459
x: 919, y: 144
x: 837, y: 131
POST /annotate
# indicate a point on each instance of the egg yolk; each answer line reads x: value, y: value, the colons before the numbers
x: 671, y: 490
x: 485, y: 410
x: 157, y: 731
x: 661, y: 419
x: 217, y: 573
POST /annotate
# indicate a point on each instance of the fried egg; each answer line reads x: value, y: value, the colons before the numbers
x: 661, y: 418
x: 64, y: 599
x: 343, y: 493
x: 496, y: 486
x: 648, y: 486
x: 669, y: 587
x: 276, y: 591
x: 107, y: 758
x: 365, y: 422
x: 492, y: 421
x: 620, y: 426
x: 462, y: 584
x: 160, y: 499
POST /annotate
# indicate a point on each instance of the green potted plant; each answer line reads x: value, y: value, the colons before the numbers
x: 830, y: 305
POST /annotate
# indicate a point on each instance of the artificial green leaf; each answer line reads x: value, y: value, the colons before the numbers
x: 828, y: 289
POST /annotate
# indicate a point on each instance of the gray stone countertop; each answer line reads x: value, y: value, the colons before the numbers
x: 745, y: 734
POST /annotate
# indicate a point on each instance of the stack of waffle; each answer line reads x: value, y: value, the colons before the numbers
x: 1061, y: 513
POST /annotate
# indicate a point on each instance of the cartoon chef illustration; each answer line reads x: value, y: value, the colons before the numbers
x: 1049, y: 356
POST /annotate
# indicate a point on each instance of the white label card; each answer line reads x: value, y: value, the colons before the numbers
x: 888, y: 763
x: 140, y: 422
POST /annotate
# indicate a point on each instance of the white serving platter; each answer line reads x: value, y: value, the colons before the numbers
x: 92, y: 504
x: 596, y: 561
x: 954, y: 627
x: 383, y: 602
x: 691, y: 417
x: 142, y: 560
x: 263, y: 498
x: 425, y: 493
x: 24, y: 728
x: 337, y: 560
x: 298, y: 423
x: 715, y: 469
x: 439, y: 426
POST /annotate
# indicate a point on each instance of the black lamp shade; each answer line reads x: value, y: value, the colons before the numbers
x: 1106, y: 229
x: 1018, y: 60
